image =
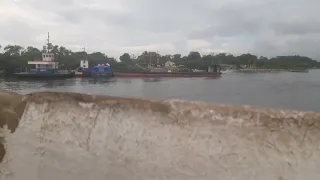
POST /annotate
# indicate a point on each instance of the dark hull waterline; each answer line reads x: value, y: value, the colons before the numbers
x: 43, y: 76
x: 167, y: 74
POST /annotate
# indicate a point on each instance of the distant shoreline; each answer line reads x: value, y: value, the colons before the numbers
x: 272, y: 70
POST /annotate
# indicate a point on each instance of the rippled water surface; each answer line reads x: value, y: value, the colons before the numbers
x: 299, y: 91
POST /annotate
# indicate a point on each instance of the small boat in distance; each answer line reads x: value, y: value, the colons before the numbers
x: 46, y: 68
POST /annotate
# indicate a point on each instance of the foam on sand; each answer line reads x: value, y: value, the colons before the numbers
x: 77, y: 136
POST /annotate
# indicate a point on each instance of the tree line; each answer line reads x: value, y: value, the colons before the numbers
x: 16, y: 57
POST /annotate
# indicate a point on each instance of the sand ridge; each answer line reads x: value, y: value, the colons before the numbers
x: 127, y: 138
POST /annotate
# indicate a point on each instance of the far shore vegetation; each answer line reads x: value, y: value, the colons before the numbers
x: 16, y: 57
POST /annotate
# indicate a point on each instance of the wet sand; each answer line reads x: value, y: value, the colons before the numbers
x: 11, y: 109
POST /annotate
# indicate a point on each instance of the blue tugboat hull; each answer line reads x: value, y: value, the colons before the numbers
x: 101, y: 71
x: 43, y: 76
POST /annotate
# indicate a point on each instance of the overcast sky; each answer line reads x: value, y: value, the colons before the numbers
x: 263, y: 27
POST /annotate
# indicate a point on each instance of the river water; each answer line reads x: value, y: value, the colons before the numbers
x: 299, y: 91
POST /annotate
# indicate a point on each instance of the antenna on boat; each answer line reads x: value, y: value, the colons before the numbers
x: 150, y: 59
x: 157, y: 61
x: 48, y: 40
x: 85, y: 54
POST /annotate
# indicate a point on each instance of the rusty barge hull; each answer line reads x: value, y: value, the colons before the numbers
x: 167, y: 74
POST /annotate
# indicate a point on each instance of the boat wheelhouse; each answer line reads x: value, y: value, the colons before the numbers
x: 47, y: 64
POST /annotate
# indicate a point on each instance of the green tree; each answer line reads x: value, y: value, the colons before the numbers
x: 125, y: 58
x: 16, y: 57
x: 193, y: 55
x: 177, y: 57
x: 13, y: 50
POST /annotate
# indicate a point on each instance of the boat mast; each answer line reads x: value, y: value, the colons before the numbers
x: 85, y: 54
x: 150, y: 62
x: 48, y: 42
x: 157, y: 60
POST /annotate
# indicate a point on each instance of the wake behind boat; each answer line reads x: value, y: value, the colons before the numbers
x: 227, y: 71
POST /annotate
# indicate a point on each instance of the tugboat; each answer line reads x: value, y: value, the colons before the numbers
x: 46, y: 68
x: 83, y: 70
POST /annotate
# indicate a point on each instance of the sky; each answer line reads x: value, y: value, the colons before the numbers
x: 262, y: 27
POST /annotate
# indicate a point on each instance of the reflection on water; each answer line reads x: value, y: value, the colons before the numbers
x: 279, y: 90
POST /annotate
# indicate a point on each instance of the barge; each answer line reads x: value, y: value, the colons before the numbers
x: 213, y: 71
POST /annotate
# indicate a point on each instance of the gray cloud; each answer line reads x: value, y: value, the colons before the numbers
x: 309, y: 26
x: 11, y: 32
x: 270, y: 27
x: 299, y: 46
